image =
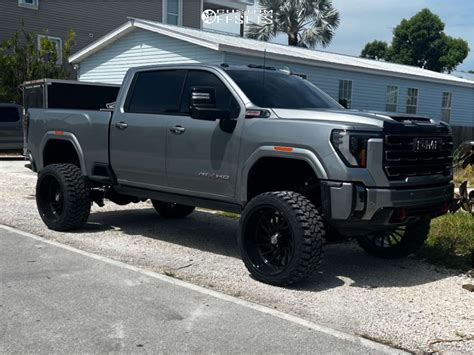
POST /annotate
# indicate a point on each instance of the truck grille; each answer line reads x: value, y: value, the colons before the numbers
x: 402, y: 160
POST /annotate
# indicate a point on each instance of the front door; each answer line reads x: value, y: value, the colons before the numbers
x: 202, y: 157
x: 138, y: 131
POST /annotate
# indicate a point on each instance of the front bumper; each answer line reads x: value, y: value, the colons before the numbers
x: 351, y: 207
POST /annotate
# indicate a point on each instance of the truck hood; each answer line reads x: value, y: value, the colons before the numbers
x: 371, y: 118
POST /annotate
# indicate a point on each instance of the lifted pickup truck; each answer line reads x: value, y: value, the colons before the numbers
x: 299, y: 167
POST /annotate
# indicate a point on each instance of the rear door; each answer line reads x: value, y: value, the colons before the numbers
x: 11, y: 127
x: 139, y: 128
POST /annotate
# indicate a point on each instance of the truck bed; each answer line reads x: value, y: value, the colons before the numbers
x: 90, y: 128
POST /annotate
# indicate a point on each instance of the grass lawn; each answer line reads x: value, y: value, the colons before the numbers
x: 451, y: 242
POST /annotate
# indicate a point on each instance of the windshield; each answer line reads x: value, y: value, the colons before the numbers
x: 280, y: 90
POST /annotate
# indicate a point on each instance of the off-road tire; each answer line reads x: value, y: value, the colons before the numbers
x: 75, y: 201
x: 172, y: 210
x: 304, y: 224
x: 410, y: 241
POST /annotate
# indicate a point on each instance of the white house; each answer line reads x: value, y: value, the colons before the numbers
x: 363, y: 83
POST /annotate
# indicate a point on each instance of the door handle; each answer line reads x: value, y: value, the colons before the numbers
x: 121, y: 125
x: 177, y: 129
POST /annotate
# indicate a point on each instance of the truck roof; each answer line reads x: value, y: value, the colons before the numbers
x: 224, y: 66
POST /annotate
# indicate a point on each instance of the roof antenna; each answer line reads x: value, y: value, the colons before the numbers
x: 263, y: 77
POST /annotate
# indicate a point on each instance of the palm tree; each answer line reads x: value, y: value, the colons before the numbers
x: 306, y: 22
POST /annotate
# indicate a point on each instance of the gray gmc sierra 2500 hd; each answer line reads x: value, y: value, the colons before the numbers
x: 299, y: 167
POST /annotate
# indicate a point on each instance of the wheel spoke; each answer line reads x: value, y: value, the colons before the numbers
x: 386, y: 240
x: 267, y: 252
x: 266, y: 224
x: 272, y: 239
x: 397, y: 237
x: 264, y: 229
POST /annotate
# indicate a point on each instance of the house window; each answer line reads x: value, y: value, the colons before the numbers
x: 412, y: 100
x: 172, y: 12
x: 58, y: 45
x: 446, y: 106
x: 392, y: 98
x: 345, y: 93
x: 31, y: 4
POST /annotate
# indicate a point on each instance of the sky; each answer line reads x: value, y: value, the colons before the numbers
x: 363, y: 21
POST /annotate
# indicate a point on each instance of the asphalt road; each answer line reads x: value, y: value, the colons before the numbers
x: 57, y: 300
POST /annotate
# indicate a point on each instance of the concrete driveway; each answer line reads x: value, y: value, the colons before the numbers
x: 58, y: 300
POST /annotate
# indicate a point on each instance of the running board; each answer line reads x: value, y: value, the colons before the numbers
x: 176, y: 198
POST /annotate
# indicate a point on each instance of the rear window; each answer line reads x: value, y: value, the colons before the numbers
x: 9, y: 114
x: 156, y: 92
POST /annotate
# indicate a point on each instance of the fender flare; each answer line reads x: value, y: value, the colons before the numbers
x: 270, y: 152
x: 66, y: 136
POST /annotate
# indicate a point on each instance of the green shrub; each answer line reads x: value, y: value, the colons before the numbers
x: 451, y: 241
x: 466, y: 174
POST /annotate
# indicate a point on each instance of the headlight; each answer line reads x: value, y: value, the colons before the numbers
x: 352, y: 146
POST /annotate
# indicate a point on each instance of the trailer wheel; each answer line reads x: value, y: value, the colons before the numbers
x: 396, y: 243
x: 281, y: 237
x: 172, y: 210
x: 63, y: 197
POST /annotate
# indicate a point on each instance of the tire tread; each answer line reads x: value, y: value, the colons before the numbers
x: 311, y: 222
x: 77, y: 196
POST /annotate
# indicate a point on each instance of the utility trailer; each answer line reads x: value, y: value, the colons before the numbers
x: 70, y: 94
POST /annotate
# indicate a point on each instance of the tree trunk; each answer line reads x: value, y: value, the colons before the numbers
x: 293, y: 39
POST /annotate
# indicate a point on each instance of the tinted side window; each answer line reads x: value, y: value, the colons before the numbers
x: 224, y: 98
x: 9, y: 114
x: 156, y: 92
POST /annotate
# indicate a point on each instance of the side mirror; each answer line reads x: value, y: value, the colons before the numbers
x: 202, y: 105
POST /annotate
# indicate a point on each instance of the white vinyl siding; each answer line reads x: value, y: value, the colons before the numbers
x: 142, y: 48
x: 392, y: 98
x: 412, y: 100
x: 345, y: 92
x: 446, y: 106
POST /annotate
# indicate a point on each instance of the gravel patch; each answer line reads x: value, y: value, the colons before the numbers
x: 405, y: 303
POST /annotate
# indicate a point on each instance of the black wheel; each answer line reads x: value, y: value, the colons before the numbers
x: 62, y: 197
x: 281, y: 237
x: 398, y: 242
x: 172, y: 210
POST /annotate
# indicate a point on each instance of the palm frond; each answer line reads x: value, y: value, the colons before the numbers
x: 263, y: 32
x: 313, y: 22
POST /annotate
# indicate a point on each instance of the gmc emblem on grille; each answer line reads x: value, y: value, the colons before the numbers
x: 427, y: 144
